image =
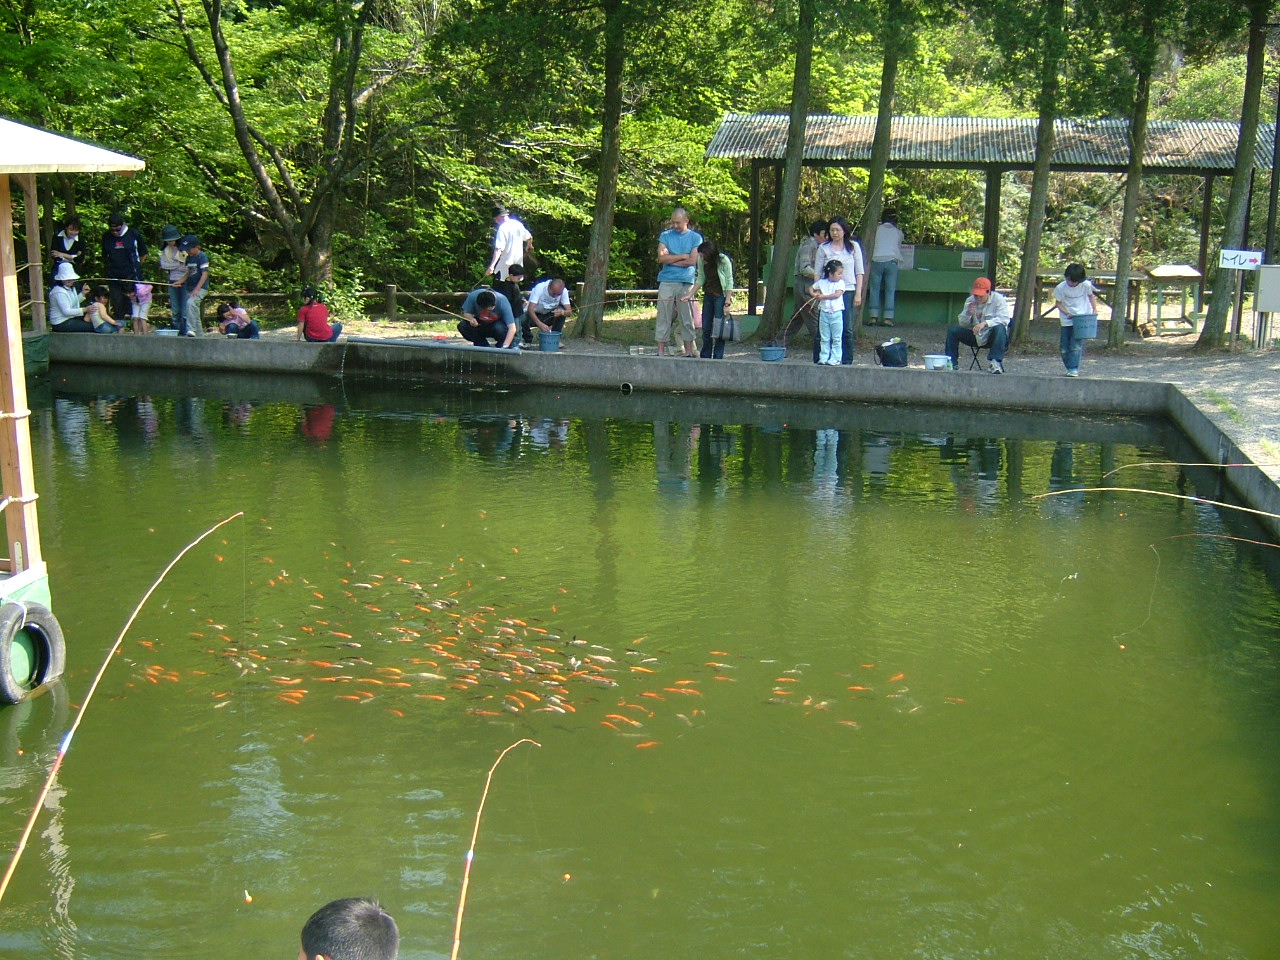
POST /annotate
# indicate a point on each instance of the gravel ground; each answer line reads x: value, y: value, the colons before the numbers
x: 1239, y: 390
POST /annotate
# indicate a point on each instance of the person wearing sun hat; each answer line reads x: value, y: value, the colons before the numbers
x: 984, y: 321
x: 66, y: 303
x: 173, y: 270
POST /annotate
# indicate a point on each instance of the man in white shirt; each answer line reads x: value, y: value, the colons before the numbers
x: 547, y: 309
x: 510, y: 242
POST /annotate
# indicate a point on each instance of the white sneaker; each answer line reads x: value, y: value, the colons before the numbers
x: 1073, y: 373
x: 995, y: 366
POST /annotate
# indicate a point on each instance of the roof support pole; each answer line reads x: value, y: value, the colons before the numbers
x: 16, y: 473
x: 991, y: 219
x: 753, y: 277
x: 35, y: 268
x: 1206, y: 211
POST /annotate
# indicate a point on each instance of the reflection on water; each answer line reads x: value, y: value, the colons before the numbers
x: 815, y: 679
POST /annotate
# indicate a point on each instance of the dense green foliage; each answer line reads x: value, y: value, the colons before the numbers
x: 456, y: 104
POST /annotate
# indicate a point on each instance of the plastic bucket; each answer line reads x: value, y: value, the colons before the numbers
x: 937, y: 361
x: 773, y: 353
x: 1086, y: 325
x: 548, y: 341
x: 166, y: 332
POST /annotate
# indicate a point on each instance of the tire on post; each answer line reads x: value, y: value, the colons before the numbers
x: 32, y: 649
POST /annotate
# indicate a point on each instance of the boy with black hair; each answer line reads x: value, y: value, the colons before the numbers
x: 350, y: 929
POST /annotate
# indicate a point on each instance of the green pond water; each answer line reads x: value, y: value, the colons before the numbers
x: 809, y: 681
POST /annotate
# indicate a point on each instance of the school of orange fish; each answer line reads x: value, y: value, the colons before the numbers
x: 428, y: 646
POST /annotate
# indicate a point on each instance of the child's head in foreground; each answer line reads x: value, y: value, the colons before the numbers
x: 350, y: 929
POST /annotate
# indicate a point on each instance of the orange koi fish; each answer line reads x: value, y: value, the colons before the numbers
x: 648, y: 743
x: 896, y: 677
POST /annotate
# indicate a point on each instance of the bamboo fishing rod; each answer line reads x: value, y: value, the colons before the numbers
x: 84, y: 707
x: 471, y: 851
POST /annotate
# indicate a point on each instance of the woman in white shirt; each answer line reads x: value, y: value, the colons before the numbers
x: 66, y: 305
x: 842, y: 246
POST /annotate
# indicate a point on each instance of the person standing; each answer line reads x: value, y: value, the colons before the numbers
x: 806, y: 274
x: 1077, y: 300
x: 123, y: 251
x: 68, y: 245
x: 173, y: 267
x: 195, y: 286
x: 829, y: 293
x: 510, y: 288
x: 511, y: 240
x: 842, y: 246
x: 313, y: 319
x: 678, y: 255
x: 713, y: 276
x: 886, y: 258
x: 66, y: 303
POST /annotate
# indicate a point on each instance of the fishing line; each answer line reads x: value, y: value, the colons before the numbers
x: 1159, y: 493
x: 471, y: 852
x: 1176, y: 463
x: 75, y: 725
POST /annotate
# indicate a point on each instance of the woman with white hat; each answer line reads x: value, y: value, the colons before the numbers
x: 66, y: 305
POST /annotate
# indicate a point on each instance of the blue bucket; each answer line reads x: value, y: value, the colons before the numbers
x: 548, y: 342
x: 773, y: 353
x: 1086, y: 325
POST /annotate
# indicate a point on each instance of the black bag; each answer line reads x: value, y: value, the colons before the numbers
x: 892, y: 353
x: 726, y: 327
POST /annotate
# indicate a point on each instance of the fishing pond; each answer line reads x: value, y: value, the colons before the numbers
x: 808, y: 680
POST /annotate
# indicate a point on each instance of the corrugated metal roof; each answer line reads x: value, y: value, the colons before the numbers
x: 25, y: 149
x: 1094, y: 145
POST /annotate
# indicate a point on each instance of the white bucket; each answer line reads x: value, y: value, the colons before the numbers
x: 937, y: 361
x: 166, y: 332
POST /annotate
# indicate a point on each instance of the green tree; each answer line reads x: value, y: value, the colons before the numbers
x: 1234, y: 230
x: 772, y: 321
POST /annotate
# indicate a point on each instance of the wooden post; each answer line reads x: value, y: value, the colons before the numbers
x: 1202, y: 262
x: 17, y: 478
x: 753, y: 279
x: 35, y: 266
x: 991, y: 221
x: 391, y: 301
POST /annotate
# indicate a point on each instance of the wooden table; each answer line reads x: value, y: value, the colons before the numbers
x: 1105, y: 282
x: 1175, y: 276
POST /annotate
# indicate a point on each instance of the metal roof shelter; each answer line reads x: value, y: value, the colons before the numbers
x: 994, y: 145
x: 24, y: 152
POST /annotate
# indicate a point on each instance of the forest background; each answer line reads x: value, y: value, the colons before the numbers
x: 364, y: 143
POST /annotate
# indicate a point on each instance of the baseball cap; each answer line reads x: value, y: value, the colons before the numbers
x: 981, y: 285
x: 189, y: 241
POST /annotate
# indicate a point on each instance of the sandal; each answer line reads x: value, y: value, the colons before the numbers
x: 885, y: 323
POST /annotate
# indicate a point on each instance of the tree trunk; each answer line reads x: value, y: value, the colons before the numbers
x: 893, y: 27
x: 591, y: 310
x: 1132, y: 193
x: 1233, y: 235
x: 784, y: 226
x: 1050, y: 83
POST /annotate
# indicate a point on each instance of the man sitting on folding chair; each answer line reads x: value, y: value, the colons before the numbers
x: 984, y: 322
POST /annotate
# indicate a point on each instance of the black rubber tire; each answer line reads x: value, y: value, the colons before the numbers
x: 45, y: 636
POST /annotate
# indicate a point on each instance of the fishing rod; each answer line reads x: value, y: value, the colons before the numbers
x: 471, y: 852
x: 84, y: 707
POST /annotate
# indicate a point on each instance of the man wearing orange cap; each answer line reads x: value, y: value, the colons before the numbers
x: 984, y: 321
